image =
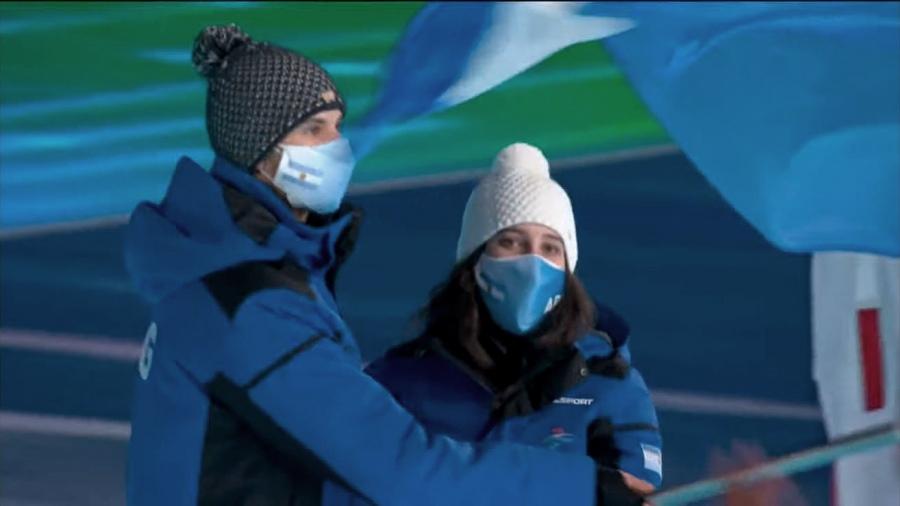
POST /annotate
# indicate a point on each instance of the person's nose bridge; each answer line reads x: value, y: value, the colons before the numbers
x: 334, y: 134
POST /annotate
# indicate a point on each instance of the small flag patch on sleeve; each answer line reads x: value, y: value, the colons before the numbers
x: 652, y: 458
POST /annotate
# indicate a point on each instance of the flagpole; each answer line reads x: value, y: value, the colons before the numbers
x: 881, y: 436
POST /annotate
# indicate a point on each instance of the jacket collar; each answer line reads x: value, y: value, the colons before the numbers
x: 320, y: 245
x: 546, y: 378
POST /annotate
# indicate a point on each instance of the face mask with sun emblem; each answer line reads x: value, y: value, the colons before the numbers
x: 315, y: 177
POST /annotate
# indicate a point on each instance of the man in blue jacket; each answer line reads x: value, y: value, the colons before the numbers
x: 250, y: 388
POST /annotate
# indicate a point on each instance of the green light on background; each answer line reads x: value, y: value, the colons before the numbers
x: 101, y: 98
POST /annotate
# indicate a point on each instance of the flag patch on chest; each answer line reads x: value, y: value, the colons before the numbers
x: 652, y: 458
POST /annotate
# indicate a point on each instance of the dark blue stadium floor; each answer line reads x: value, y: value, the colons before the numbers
x: 714, y: 310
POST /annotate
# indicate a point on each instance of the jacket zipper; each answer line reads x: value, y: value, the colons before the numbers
x: 462, y: 365
x: 492, y: 417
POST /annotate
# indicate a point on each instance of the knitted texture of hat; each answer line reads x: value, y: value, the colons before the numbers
x: 257, y: 92
x: 518, y: 190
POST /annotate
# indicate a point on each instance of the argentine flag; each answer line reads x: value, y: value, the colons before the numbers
x: 790, y: 110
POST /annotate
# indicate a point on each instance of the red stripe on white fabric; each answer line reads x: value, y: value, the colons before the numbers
x: 834, y: 485
x: 871, y: 356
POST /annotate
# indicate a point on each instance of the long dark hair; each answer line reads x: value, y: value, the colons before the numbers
x: 455, y: 315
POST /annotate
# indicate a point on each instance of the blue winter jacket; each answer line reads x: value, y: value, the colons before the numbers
x: 586, y: 400
x: 250, y: 388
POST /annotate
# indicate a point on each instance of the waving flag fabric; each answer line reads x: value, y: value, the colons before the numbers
x: 791, y: 110
x: 452, y: 52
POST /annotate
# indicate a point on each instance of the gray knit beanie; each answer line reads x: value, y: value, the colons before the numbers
x: 257, y: 94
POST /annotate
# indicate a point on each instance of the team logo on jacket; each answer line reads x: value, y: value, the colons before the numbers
x: 558, y: 437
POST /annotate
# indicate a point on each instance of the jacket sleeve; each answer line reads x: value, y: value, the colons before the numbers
x: 628, y: 438
x: 381, y: 370
x: 289, y: 375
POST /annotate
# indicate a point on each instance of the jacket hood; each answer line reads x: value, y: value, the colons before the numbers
x: 610, y: 335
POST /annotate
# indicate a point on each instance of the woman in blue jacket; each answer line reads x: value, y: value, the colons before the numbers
x: 513, y: 348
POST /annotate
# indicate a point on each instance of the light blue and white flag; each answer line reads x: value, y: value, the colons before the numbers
x: 453, y: 52
x: 790, y: 110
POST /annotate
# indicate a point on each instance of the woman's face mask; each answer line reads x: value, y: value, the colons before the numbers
x: 315, y: 177
x: 518, y: 291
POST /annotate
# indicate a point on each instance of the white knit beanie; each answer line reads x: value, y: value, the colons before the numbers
x: 518, y: 190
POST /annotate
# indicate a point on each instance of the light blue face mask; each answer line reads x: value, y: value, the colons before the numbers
x: 316, y: 177
x: 519, y: 291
